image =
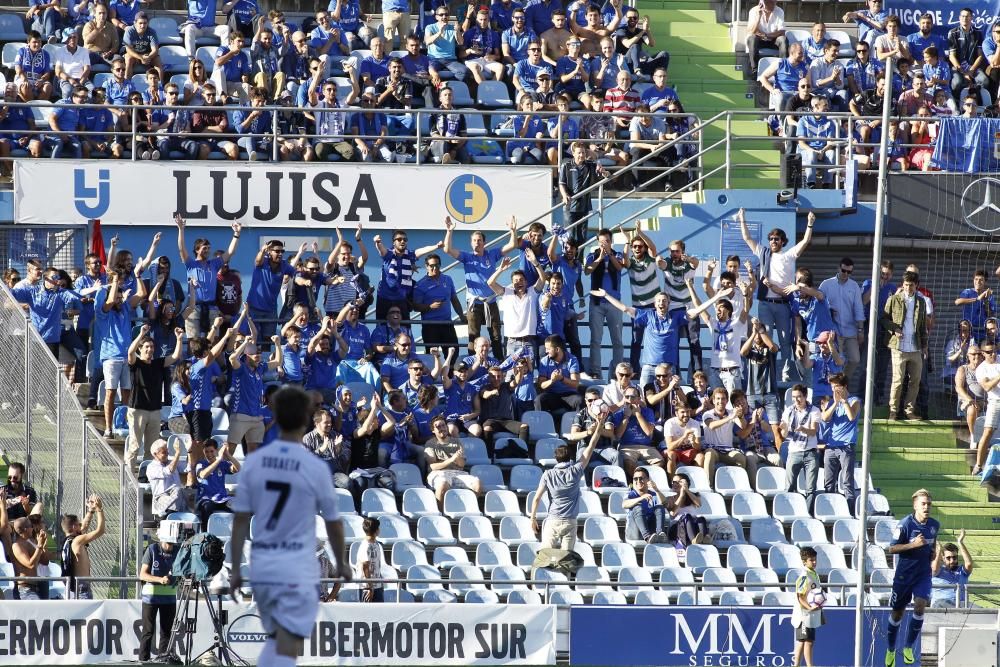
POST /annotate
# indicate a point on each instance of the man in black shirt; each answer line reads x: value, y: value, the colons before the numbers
x: 869, y: 103
x: 800, y: 103
x: 20, y: 497
x: 632, y: 35
x: 591, y: 417
x: 664, y: 393
x: 965, y: 52
x: 574, y: 177
x: 146, y: 399
x: 496, y: 411
x: 395, y: 92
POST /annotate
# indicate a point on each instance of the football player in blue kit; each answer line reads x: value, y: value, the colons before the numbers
x: 915, y: 544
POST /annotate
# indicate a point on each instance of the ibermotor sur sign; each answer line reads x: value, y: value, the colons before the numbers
x: 299, y: 195
x: 80, y: 632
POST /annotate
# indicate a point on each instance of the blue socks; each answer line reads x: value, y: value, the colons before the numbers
x: 916, y: 624
x: 892, y: 633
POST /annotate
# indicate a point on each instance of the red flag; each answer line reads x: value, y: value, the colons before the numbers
x: 97, y: 242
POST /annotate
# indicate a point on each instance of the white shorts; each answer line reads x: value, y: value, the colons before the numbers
x: 289, y: 606
x: 116, y: 375
x: 457, y: 479
x: 992, y: 415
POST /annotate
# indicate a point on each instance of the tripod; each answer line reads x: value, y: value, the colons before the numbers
x: 186, y: 622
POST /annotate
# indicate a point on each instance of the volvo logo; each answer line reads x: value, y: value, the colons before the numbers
x: 981, y: 204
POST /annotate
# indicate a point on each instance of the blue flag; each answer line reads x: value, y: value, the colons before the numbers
x: 967, y: 144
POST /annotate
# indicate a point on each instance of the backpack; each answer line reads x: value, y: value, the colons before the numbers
x: 200, y: 556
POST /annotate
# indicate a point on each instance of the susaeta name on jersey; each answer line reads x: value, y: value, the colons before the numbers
x: 317, y: 195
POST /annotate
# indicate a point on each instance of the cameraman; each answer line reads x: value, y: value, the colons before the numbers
x: 159, y: 593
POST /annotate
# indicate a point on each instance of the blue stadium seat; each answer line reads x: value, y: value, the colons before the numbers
x: 206, y: 54
x: 461, y: 97
x: 12, y: 28
x: 393, y: 528
x: 735, y: 599
x: 540, y: 425
x: 475, y: 451
x: 9, y: 53
x: 698, y: 477
x: 489, y: 476
x: 474, y: 125
x: 399, y: 595
x: 545, y: 450
x: 484, y: 151
x: 830, y: 507
x: 782, y: 557
x: 789, y: 506
x: 352, y: 528
x: 437, y: 596
x: 885, y: 532
x: 166, y: 31
x: 526, y: 554
x: 765, y: 533
x: 543, y: 575
x: 829, y: 557
x: 515, y: 451
x: 220, y: 524
x: 407, y: 476
x: 845, y: 533
x: 713, y: 506
x: 493, y: 95
x: 674, y: 579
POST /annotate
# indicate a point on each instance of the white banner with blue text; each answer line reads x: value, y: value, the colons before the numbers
x: 296, y: 195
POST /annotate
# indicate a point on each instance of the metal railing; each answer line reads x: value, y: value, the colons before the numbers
x: 43, y: 426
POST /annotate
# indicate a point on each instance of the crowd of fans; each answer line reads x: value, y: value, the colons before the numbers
x: 184, y: 352
x: 929, y: 76
x: 340, y: 68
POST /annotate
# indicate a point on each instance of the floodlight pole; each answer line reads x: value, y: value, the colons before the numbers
x: 873, y: 318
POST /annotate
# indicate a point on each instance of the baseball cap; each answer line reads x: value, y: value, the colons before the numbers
x: 543, y: 75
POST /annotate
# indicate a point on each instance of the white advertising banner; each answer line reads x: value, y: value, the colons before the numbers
x: 296, y: 195
x: 77, y: 632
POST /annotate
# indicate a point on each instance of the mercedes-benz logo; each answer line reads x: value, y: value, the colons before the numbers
x: 981, y: 204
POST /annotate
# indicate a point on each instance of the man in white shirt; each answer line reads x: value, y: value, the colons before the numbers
x: 73, y: 66
x: 777, y: 271
x: 519, y: 304
x: 765, y: 30
x: 799, y: 425
x: 725, y: 367
x: 988, y: 376
x: 284, y: 488
x: 843, y: 296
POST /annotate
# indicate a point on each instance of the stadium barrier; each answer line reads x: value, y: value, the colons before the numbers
x: 43, y: 426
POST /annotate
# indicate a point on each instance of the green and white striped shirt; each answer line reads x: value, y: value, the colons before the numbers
x: 644, y: 280
x: 676, y: 275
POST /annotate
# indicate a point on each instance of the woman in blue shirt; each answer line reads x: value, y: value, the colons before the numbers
x: 179, y: 418
x: 528, y: 129
x: 211, y: 471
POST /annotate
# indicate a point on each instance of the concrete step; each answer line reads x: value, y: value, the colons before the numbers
x: 683, y: 72
x: 676, y: 29
x: 663, y: 16
x: 700, y: 44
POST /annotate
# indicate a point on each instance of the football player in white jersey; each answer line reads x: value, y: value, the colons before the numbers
x: 284, y: 489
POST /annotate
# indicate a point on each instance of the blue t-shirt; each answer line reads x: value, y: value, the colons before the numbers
x: 319, y: 37
x: 943, y: 593
x: 429, y: 290
x: 177, y: 405
x: 661, y: 336
x: 322, y: 370
x: 86, y: 316
x: 265, y: 285
x: 394, y: 369
x: 373, y: 68
x: 918, y: 43
x: 517, y: 43
x: 248, y: 389
x: 814, y: 312
x: 33, y: 64
x: 977, y: 312
x: 843, y: 432
x: 530, y: 275
x: 236, y: 67
x: 538, y: 14
x: 358, y: 338
x: 118, y: 91
x: 115, y: 330
x: 569, y: 365
x: 213, y: 487
x: 576, y: 85
x: 459, y: 399
x: 292, y: 363
x: 651, y: 96
x: 443, y: 48
x: 245, y: 10
x: 203, y: 384
x: 527, y: 73
x: 383, y: 334
x: 67, y: 117
x: 206, y: 275
x: 397, y: 276
x: 46, y: 308
x: 634, y: 435
x: 350, y: 14
x: 914, y: 565
x: 143, y: 42
x: 422, y: 419
x: 646, y: 505
x: 570, y: 272
x: 96, y: 120
x: 478, y: 270
x: 410, y: 392
x: 823, y: 368
x: 201, y: 12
